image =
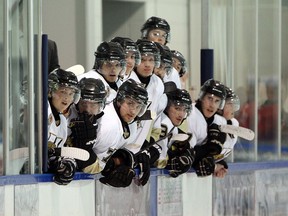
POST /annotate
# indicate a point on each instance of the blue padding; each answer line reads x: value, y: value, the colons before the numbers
x: 45, y: 102
x: 206, y: 65
x: 233, y: 167
x: 252, y: 166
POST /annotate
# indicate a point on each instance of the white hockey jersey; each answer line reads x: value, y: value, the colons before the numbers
x: 57, y: 130
x: 155, y: 91
x: 229, y: 144
x: 94, y: 74
x: 110, y: 135
x: 174, y: 77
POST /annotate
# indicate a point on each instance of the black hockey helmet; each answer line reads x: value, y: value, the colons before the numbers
x: 129, y: 46
x: 155, y: 23
x: 62, y: 78
x: 109, y: 51
x: 147, y: 47
x: 166, y: 56
x: 93, y: 90
x: 180, y: 97
x: 232, y: 98
x: 176, y: 54
x: 131, y: 89
x: 216, y: 88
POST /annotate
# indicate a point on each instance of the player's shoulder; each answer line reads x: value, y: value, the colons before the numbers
x: 220, y: 120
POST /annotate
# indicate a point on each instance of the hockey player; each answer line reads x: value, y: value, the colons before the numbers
x: 149, y: 130
x: 83, y: 117
x: 157, y: 29
x: 117, y: 128
x: 232, y: 105
x: 63, y: 91
x: 109, y: 66
x: 166, y: 62
x: 207, y: 139
x: 176, y: 156
x: 132, y: 54
x: 180, y: 64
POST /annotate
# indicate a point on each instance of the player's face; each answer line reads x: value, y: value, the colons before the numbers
x: 129, y: 109
x: 62, y: 98
x: 157, y: 35
x: 146, y: 67
x: 177, y: 113
x: 111, y: 70
x: 177, y: 64
x: 210, y: 105
x: 163, y: 70
x: 91, y: 107
x: 130, y: 62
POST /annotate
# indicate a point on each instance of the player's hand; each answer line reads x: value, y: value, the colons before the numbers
x: 118, y: 171
x: 216, y: 139
x: 120, y: 176
x: 181, y: 163
x: 143, y: 161
x: 63, y: 168
x: 204, y: 167
x: 84, y: 130
x: 220, y: 171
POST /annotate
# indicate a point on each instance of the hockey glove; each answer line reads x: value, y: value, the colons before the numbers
x: 181, y: 162
x: 216, y: 139
x: 204, y: 167
x: 63, y: 168
x: 143, y: 161
x: 84, y: 130
x: 118, y: 171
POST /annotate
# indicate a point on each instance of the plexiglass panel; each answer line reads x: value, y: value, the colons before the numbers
x: 22, y: 59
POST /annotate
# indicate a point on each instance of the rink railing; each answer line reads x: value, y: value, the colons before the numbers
x: 249, y: 189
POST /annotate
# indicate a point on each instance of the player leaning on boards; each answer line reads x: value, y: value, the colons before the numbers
x: 116, y: 129
x: 176, y: 156
x: 207, y: 139
x: 149, y: 130
x: 232, y: 105
x: 83, y: 119
x: 63, y: 90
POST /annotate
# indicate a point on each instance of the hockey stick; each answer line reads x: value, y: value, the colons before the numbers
x: 176, y: 137
x: 72, y: 152
x: 76, y: 69
x: 242, y: 132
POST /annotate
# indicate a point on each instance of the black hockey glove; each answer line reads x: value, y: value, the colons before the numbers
x: 216, y: 139
x: 180, y: 161
x: 84, y: 130
x: 63, y: 168
x: 204, y: 167
x: 143, y: 161
x: 222, y: 162
x: 154, y: 151
x: 118, y: 171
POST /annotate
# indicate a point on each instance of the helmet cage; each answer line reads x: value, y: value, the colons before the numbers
x: 133, y: 90
x: 155, y: 23
x: 61, y: 78
x: 182, y: 61
x: 147, y: 47
x: 100, y: 62
x: 233, y: 99
x: 180, y: 97
x: 215, y: 88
